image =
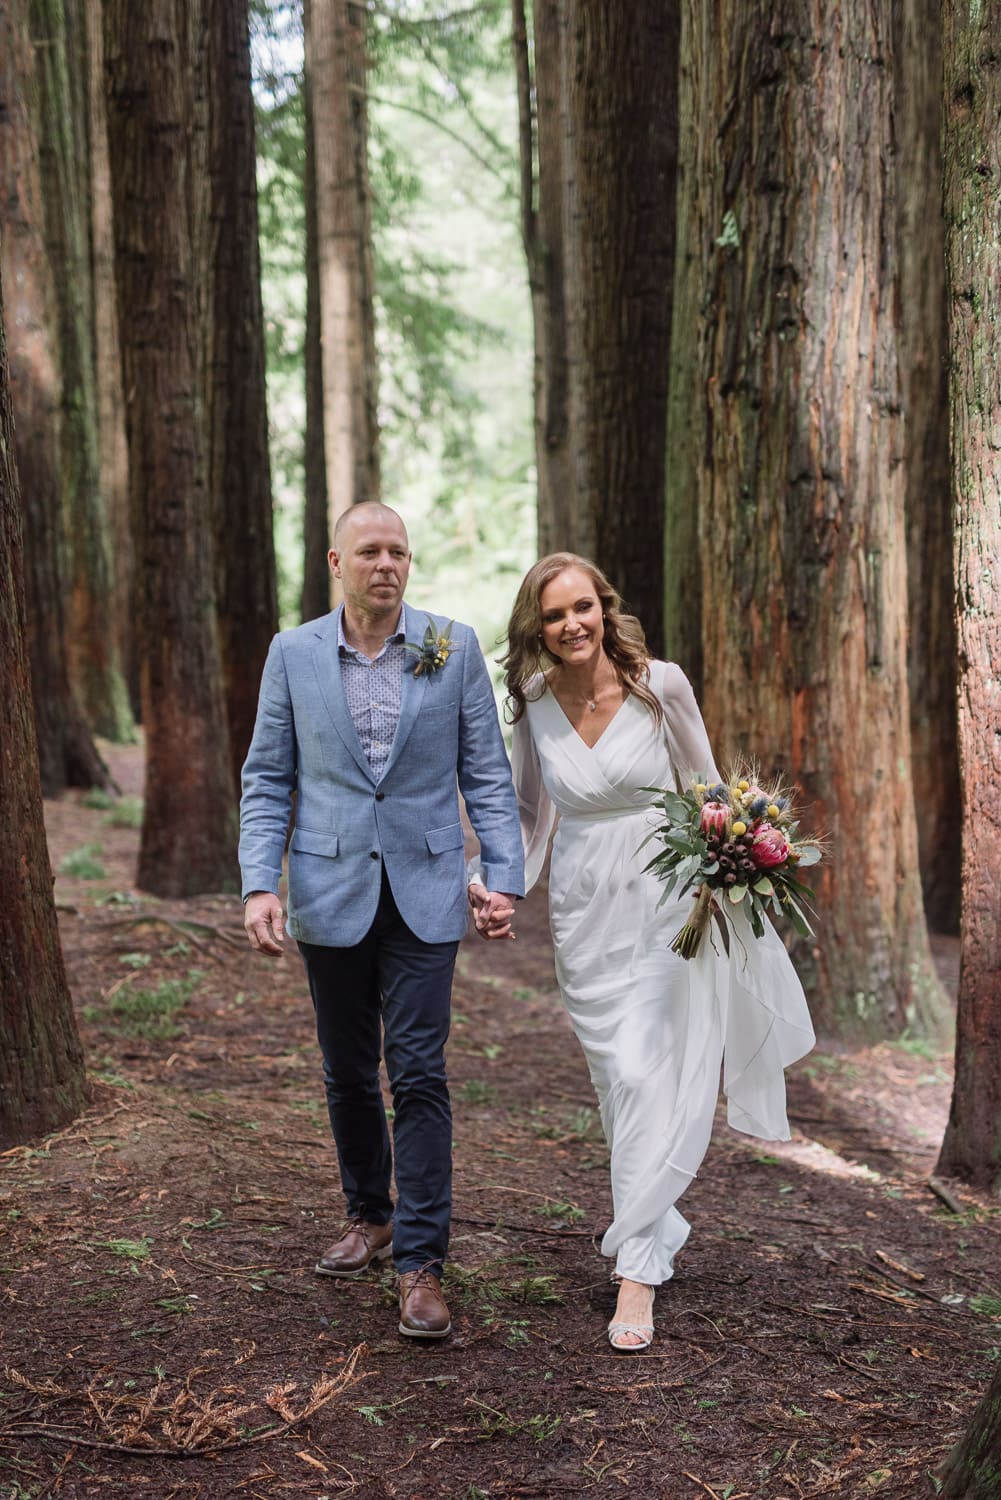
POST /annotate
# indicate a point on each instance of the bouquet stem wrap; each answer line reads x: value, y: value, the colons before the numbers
x: 688, y: 939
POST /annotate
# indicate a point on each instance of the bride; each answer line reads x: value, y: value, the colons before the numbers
x: 597, y: 723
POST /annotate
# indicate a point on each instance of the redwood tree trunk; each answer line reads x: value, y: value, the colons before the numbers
x: 931, y: 625
x: 538, y: 69
x: 972, y: 1468
x: 971, y: 150
x: 42, y: 1082
x: 620, y: 109
x: 66, y: 751
x: 112, y: 446
x: 685, y: 394
x: 800, y: 485
x: 315, y: 524
x: 58, y: 35
x: 157, y: 171
x: 335, y: 68
x: 239, y: 471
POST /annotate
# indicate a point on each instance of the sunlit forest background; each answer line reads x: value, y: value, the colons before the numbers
x: 453, y: 317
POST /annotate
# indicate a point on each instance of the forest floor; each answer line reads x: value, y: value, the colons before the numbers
x: 163, y: 1334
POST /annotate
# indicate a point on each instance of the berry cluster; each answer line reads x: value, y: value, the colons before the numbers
x: 733, y: 857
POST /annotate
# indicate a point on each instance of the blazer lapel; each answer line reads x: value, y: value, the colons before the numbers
x: 327, y: 665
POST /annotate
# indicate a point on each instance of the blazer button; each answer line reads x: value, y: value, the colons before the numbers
x: 380, y: 796
x: 374, y: 854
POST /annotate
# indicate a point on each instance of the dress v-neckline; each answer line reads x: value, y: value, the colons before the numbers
x: 572, y: 726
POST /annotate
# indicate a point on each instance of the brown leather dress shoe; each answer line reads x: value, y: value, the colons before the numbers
x: 423, y: 1311
x: 357, y: 1248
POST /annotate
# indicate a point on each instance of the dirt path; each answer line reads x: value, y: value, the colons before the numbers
x: 828, y: 1333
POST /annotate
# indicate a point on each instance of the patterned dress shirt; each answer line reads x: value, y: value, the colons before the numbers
x: 373, y: 690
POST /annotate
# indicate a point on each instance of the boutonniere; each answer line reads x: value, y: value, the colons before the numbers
x: 433, y: 651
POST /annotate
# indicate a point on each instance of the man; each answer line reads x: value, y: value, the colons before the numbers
x: 375, y: 739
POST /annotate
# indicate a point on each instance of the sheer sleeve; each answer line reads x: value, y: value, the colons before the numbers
x: 691, y: 752
x: 535, y: 807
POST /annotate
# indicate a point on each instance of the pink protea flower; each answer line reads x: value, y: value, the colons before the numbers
x: 714, y: 817
x: 769, y: 847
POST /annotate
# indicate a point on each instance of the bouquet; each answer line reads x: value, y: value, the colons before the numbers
x: 736, y: 840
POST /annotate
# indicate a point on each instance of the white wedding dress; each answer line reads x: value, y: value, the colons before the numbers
x: 654, y: 1027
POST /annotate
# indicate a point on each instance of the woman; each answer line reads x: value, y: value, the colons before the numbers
x: 597, y: 723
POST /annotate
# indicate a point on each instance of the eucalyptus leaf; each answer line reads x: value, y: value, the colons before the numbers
x: 809, y: 854
x: 797, y: 917
x: 736, y: 893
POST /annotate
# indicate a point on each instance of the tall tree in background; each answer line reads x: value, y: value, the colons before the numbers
x: 239, y: 477
x: 796, y: 432
x: 42, y: 1082
x: 66, y: 750
x: 316, y: 523
x: 153, y: 58
x: 59, y: 38
x: 112, y: 445
x: 693, y: 252
x: 538, y: 69
x: 931, y: 628
x: 972, y: 167
x: 620, y: 151
x: 336, y: 71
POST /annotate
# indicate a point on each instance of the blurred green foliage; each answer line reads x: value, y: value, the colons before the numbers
x: 453, y: 313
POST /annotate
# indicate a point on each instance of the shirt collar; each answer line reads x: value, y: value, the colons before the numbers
x: 398, y: 636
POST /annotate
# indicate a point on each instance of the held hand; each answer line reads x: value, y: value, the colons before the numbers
x: 264, y: 923
x: 493, y: 911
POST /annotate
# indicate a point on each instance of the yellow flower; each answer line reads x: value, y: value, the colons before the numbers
x: 700, y: 786
x: 771, y: 810
x: 739, y: 828
x: 744, y: 786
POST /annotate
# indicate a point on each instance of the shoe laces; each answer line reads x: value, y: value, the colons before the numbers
x: 425, y: 1276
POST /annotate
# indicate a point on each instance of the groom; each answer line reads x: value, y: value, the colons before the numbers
x: 376, y: 740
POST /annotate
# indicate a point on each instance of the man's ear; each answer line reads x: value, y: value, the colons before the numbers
x: 334, y: 562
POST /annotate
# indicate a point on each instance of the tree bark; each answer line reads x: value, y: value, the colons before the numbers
x: 42, y: 1080
x: 66, y: 751
x: 685, y: 395
x: 538, y: 69
x: 931, y: 625
x: 973, y: 1469
x: 971, y: 154
x: 239, y: 470
x: 621, y: 142
x: 800, y: 484
x: 122, y: 609
x: 336, y: 67
x: 159, y: 187
x: 60, y: 52
x: 315, y: 525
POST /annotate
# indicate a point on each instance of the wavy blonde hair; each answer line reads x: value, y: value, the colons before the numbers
x: 526, y: 657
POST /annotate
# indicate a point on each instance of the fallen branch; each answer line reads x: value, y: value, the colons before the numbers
x: 323, y: 1392
x: 185, y: 929
x: 940, y: 1190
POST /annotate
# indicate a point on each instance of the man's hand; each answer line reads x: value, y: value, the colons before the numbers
x: 264, y: 923
x: 492, y: 911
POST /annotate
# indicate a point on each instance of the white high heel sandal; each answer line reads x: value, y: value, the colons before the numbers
x: 643, y: 1332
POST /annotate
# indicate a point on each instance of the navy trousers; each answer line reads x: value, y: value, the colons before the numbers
x: 395, y: 991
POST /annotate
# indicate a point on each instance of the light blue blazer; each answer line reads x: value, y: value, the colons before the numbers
x: 347, y: 824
